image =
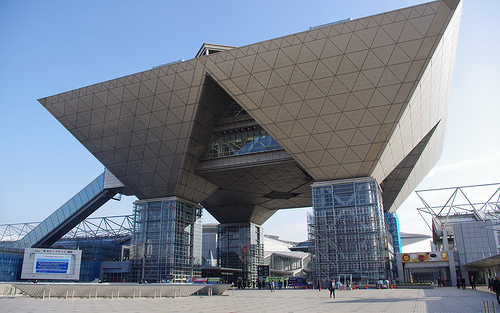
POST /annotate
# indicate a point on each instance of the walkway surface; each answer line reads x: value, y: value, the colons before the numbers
x: 448, y: 299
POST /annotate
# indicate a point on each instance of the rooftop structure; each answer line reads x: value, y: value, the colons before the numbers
x: 408, y: 239
x: 457, y: 205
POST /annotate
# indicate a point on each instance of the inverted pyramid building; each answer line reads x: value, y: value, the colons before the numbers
x: 247, y: 130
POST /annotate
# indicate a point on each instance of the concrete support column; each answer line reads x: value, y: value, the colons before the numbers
x: 401, y: 275
x: 445, y: 240
x: 452, y: 267
x: 166, y: 227
x: 241, y: 246
x: 349, y: 231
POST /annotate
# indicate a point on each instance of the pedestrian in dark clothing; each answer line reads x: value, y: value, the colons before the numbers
x: 462, y: 281
x: 490, y: 283
x: 459, y: 283
x: 332, y: 289
x: 496, y: 288
x: 472, y: 282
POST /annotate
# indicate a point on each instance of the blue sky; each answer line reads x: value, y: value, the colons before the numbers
x: 49, y: 47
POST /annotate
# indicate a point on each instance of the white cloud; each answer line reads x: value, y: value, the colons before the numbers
x: 465, y: 165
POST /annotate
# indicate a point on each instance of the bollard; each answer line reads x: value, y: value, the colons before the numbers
x: 486, y: 306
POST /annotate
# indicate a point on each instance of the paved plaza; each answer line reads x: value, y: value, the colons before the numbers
x: 448, y: 299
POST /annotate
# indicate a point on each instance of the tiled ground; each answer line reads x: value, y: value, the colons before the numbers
x: 440, y: 300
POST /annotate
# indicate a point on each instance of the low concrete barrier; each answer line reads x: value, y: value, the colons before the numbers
x: 8, y: 290
x: 106, y: 290
x: 214, y: 289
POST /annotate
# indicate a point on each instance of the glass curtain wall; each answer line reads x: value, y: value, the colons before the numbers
x: 241, y: 246
x: 348, y: 232
x: 392, y: 224
x: 11, y: 264
x: 165, y: 244
x: 241, y: 141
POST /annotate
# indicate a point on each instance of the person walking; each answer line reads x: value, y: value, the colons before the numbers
x: 332, y: 289
x: 472, y: 282
x: 496, y: 288
x: 462, y: 281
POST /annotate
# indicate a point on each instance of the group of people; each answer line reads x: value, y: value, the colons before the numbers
x: 494, y: 285
x: 273, y: 285
x: 441, y: 282
x: 461, y: 282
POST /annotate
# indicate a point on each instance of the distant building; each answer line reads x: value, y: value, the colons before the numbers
x: 465, y: 238
x: 209, y: 244
x: 274, y: 243
x: 288, y: 264
x: 103, y: 242
x: 283, y: 261
x: 408, y: 239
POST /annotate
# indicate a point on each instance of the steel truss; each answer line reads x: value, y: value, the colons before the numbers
x: 458, y: 202
x: 102, y: 227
